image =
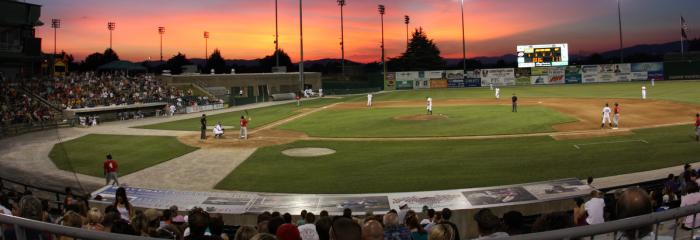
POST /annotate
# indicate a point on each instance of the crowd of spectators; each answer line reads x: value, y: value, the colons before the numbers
x: 402, y: 224
x: 17, y: 107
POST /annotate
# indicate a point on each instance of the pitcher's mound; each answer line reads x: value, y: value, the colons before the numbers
x: 422, y: 117
x: 308, y: 152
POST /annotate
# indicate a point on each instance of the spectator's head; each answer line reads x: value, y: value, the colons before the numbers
x: 686, y: 166
x: 487, y: 223
x: 94, y: 216
x: 441, y: 232
x: 345, y: 229
x: 323, y: 227
x: 216, y: 224
x: 287, y: 217
x: 347, y: 213
x: 589, y: 180
x: 670, y: 177
x: 596, y: 194
x: 288, y: 231
x: 309, y: 218
x: 634, y: 202
x: 276, y: 214
x: 72, y: 219
x: 391, y: 219
x: 264, y: 236
x: 372, y: 230
x: 303, y: 214
x: 245, y: 233
x: 120, y: 198
x: 69, y: 191
x: 198, y: 222
x: 691, y: 187
x: 552, y: 221
x: 30, y: 207
x: 413, y: 224
x: 173, y: 209
x: 167, y: 216
x: 274, y: 223
x: 323, y: 213
x: 446, y: 214
x: 431, y: 213
x: 513, y: 221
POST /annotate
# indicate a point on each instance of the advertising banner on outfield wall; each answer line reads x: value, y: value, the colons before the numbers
x: 423, y: 81
x: 522, y: 76
x: 547, y: 75
x: 472, y: 78
x: 606, y: 73
x: 438, y: 83
x: 433, y: 75
x: 406, y: 76
x: 572, y: 75
x: 404, y: 84
x: 498, y: 77
x: 390, y: 83
x: 639, y: 76
x: 454, y: 74
x: 455, y: 83
x: 654, y: 70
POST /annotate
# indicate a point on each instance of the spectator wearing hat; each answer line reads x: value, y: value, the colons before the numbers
x: 288, y: 231
x: 488, y: 225
x: 403, y: 209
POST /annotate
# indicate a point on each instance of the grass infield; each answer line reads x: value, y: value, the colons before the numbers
x: 133, y: 153
x: 383, y: 166
x: 459, y: 121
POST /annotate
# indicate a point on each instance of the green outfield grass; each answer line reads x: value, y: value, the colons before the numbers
x: 261, y: 116
x: 681, y: 91
x: 133, y: 153
x: 460, y: 121
x: 369, y: 167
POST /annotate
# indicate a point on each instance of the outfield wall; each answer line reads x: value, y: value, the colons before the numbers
x: 603, y: 73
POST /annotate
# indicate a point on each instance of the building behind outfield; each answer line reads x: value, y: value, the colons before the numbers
x: 20, y: 50
x: 256, y: 87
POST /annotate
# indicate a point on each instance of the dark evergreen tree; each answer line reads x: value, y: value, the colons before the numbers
x: 175, y: 63
x: 268, y: 62
x: 216, y: 62
x: 422, y: 54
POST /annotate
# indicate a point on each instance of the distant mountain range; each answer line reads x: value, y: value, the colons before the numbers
x: 648, y: 49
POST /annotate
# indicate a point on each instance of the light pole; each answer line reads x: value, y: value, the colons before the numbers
x: 464, y: 41
x: 341, y: 3
x: 619, y: 20
x: 277, y: 38
x: 382, y: 11
x: 301, y: 44
x: 55, y: 24
x: 206, y: 47
x: 161, y: 31
x: 111, y: 26
x: 406, y: 20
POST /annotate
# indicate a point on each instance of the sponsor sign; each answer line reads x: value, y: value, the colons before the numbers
x: 654, y: 70
x: 435, y: 75
x: 454, y: 74
x: 547, y: 75
x: 522, y: 76
x: 498, y: 77
x: 390, y: 83
x: 434, y: 200
x: 438, y: 83
x: 404, y: 84
x: 197, y: 108
x: 423, y: 83
x: 472, y: 82
x: 573, y: 75
x: 639, y: 76
x: 455, y: 83
x: 407, y: 76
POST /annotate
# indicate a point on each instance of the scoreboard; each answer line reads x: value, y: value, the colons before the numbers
x: 544, y: 55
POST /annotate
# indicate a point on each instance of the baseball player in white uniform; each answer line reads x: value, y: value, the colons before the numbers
x: 430, y: 106
x: 606, y: 116
x: 369, y: 100
x: 644, y: 92
x: 498, y: 93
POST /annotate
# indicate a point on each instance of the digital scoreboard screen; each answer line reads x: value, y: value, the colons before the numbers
x: 545, y: 55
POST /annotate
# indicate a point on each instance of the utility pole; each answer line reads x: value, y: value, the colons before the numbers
x: 277, y: 38
x: 341, y: 3
x: 55, y: 24
x: 464, y: 41
x: 301, y: 43
x: 206, y: 48
x: 382, y: 11
x: 619, y: 19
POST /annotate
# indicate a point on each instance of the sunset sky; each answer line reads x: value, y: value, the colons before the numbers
x: 244, y: 29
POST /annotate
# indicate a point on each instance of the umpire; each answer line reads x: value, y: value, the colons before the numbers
x: 515, y: 103
x: 203, y: 122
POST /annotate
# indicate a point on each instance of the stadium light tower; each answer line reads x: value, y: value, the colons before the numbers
x: 406, y: 20
x: 206, y: 47
x: 619, y: 20
x: 341, y: 3
x: 111, y: 26
x: 277, y: 39
x: 464, y: 41
x: 301, y: 47
x: 55, y: 24
x: 161, y: 31
x: 382, y: 11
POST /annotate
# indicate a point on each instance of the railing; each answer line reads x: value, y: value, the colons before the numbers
x: 615, y: 227
x: 22, y: 225
x: 22, y: 128
x: 44, y: 193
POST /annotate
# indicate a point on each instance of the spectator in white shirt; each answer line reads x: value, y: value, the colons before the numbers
x: 595, y: 207
x: 308, y: 230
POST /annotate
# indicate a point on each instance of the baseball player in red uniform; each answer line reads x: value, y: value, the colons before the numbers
x: 697, y: 127
x: 244, y: 128
x: 110, y: 170
x: 616, y: 116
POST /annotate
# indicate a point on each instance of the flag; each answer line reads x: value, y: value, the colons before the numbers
x: 684, y: 28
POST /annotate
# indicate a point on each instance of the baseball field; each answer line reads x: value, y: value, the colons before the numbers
x: 470, y: 140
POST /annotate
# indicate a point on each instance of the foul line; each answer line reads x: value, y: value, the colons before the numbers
x: 578, y: 146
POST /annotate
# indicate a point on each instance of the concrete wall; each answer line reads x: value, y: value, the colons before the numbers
x: 276, y: 82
